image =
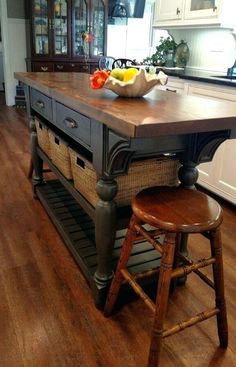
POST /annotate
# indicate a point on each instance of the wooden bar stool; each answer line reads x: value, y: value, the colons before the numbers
x: 173, y: 211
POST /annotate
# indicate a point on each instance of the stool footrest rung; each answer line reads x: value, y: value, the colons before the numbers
x: 205, y: 279
x: 145, y: 274
x: 192, y: 266
x: 192, y: 321
x: 138, y: 290
x: 151, y: 232
x: 154, y: 242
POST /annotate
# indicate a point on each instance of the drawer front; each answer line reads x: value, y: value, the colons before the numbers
x: 42, y: 66
x: 73, y: 123
x: 81, y: 68
x: 42, y: 104
x: 60, y: 66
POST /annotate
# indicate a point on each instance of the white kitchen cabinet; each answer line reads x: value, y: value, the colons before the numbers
x: 175, y: 85
x: 218, y: 176
x: 169, y: 9
x: 212, y: 91
x: 194, y: 13
x: 200, y: 9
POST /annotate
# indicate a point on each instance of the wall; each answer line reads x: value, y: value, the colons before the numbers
x: 14, y: 43
x: 210, y: 49
x: 16, y: 9
x: 1, y: 63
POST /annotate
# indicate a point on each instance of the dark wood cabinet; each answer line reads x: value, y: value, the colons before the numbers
x: 67, y: 35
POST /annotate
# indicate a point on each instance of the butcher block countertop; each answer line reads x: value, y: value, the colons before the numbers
x: 158, y: 113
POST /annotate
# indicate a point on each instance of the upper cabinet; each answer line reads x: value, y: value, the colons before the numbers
x: 66, y: 32
x: 195, y: 9
x: 88, y: 28
x: 50, y: 28
x: 168, y: 10
x: 194, y: 13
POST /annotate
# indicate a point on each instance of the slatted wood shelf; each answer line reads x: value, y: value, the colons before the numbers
x: 77, y: 230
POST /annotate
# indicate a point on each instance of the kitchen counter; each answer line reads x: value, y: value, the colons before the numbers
x: 113, y: 131
x: 156, y: 114
x: 201, y: 76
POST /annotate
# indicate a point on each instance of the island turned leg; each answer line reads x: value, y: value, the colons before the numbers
x: 36, y: 160
x: 105, y: 232
x: 188, y: 174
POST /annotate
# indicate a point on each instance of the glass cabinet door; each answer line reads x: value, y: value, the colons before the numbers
x: 80, y: 38
x: 60, y: 27
x: 40, y: 27
x: 97, y: 28
x: 201, y: 8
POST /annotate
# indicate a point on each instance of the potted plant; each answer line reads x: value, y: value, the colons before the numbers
x: 164, y: 52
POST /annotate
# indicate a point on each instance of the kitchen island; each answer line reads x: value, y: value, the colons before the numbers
x: 112, y: 131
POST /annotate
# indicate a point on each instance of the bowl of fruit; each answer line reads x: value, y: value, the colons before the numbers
x: 130, y: 82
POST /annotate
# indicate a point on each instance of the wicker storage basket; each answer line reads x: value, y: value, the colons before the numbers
x: 60, y: 154
x: 141, y: 174
x: 43, y: 138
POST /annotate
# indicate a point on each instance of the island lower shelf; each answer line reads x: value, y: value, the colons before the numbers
x: 77, y: 230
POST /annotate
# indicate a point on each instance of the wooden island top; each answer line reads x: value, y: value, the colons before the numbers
x: 156, y: 114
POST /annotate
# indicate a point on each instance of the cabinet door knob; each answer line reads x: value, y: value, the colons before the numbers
x: 69, y: 122
x: 214, y: 8
x: 178, y: 11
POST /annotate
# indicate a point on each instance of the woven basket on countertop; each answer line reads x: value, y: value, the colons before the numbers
x: 43, y: 137
x: 141, y: 174
x: 60, y: 154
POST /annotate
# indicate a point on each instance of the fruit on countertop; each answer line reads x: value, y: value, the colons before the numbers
x: 118, y: 73
x: 129, y: 74
x: 124, y: 75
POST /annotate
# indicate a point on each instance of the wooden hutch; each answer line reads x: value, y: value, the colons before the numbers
x: 67, y: 35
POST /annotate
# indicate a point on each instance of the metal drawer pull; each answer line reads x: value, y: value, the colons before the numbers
x: 60, y: 67
x: 69, y: 122
x: 171, y: 90
x: 177, y: 11
x: 44, y: 68
x: 40, y: 104
x: 214, y: 8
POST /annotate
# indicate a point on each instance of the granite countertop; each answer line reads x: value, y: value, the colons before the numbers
x: 201, y: 76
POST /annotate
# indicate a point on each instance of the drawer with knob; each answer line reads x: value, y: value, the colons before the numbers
x: 62, y: 67
x: 79, y: 67
x: 42, y: 66
x: 73, y: 124
x: 42, y: 104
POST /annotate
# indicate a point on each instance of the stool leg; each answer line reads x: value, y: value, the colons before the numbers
x: 31, y: 169
x: 162, y: 298
x: 124, y: 257
x: 216, y: 250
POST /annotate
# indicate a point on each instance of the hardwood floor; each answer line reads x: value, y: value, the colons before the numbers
x: 47, y: 315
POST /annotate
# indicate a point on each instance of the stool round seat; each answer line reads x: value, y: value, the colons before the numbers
x: 176, y: 209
